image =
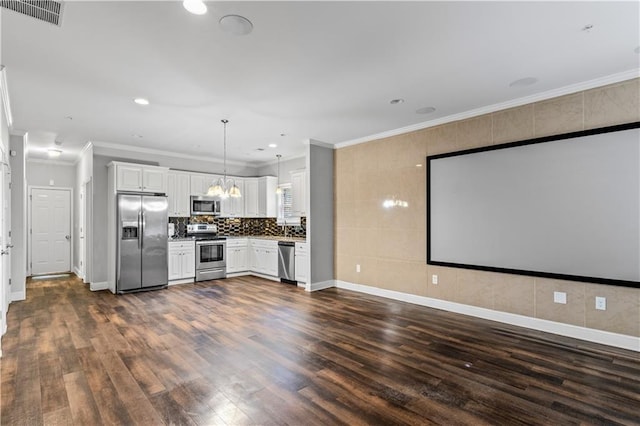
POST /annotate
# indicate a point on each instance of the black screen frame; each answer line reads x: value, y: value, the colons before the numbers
x: 542, y: 274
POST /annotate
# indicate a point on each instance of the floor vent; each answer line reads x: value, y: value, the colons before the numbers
x: 45, y: 10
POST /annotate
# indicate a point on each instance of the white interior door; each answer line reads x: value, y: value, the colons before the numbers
x: 50, y: 231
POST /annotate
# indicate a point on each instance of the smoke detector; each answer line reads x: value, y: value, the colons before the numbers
x: 44, y: 10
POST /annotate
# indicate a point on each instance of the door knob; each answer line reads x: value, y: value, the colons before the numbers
x: 68, y: 237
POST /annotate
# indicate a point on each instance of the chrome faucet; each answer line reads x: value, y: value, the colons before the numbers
x: 285, y: 231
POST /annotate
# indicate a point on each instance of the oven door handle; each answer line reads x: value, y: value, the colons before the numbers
x: 210, y: 243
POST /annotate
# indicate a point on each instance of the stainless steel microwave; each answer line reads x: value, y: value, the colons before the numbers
x: 205, y: 205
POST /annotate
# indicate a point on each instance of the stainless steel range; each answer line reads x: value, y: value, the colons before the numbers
x: 211, y: 261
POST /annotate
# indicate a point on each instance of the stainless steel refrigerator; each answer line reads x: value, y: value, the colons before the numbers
x: 142, y: 242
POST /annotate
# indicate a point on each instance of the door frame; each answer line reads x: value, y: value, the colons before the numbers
x: 29, y: 234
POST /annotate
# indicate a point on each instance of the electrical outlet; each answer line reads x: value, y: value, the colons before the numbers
x: 560, y: 297
x: 434, y: 279
x: 601, y: 303
x: 358, y: 268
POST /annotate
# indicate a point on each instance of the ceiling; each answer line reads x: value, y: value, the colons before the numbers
x: 309, y: 70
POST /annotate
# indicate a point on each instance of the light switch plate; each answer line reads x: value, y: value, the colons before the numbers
x: 434, y: 279
x: 601, y: 303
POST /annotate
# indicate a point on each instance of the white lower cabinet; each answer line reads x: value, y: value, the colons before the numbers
x: 263, y: 257
x: 182, y: 261
x: 237, y: 255
x: 254, y: 255
x: 301, y: 262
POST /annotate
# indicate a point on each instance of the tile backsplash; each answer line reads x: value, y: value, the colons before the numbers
x: 240, y: 227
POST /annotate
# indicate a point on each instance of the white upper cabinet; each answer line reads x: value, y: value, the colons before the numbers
x: 201, y: 182
x: 299, y: 193
x: 140, y: 178
x: 260, y: 197
x: 178, y: 192
x: 234, y: 207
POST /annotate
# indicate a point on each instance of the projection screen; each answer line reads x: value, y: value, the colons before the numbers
x: 564, y: 207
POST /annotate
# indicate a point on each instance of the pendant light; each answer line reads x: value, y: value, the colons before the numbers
x: 223, y: 187
x: 278, y: 189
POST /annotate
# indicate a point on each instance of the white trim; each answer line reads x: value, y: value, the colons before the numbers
x: 573, y: 88
x: 18, y: 296
x: 101, y: 148
x: 50, y: 162
x: 102, y: 285
x: 78, y: 273
x: 320, y: 285
x: 4, y: 92
x: 239, y: 274
x: 592, y: 335
x: 321, y: 144
x: 29, y: 219
x: 266, y: 277
x: 182, y: 281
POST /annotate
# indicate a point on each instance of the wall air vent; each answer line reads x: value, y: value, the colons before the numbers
x: 45, y: 10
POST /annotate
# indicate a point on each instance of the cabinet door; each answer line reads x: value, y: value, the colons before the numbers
x: 298, y: 193
x: 301, y: 268
x: 271, y: 261
x: 154, y: 180
x: 241, y: 258
x: 171, y: 193
x: 234, y: 207
x: 189, y: 263
x: 175, y: 265
x: 128, y: 178
x: 182, y: 195
x: 251, y: 198
x: 267, y: 201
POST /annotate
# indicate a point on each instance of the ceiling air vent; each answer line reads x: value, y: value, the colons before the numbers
x: 44, y: 10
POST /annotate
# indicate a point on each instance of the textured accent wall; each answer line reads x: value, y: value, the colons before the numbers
x: 389, y: 243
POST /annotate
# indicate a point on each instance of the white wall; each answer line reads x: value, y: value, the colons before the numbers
x: 18, y: 217
x: 84, y: 175
x: 50, y: 173
x: 320, y: 215
x: 286, y: 166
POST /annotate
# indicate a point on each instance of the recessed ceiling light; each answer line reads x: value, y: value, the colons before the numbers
x: 396, y: 101
x: 236, y: 25
x: 141, y: 101
x: 54, y: 153
x: 273, y: 145
x: 523, y: 82
x: 197, y: 7
x: 425, y: 110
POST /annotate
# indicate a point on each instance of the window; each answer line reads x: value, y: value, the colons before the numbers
x: 285, y: 205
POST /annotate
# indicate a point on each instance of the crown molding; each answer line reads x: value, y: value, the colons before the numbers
x: 542, y: 96
x: 126, y: 148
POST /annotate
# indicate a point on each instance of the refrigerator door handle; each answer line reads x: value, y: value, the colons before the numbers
x: 140, y: 229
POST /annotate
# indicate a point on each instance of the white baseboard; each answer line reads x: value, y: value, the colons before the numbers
x: 320, y: 285
x: 18, y: 295
x: 182, y: 281
x: 238, y: 274
x: 266, y: 277
x: 78, y: 273
x: 103, y: 285
x: 589, y: 334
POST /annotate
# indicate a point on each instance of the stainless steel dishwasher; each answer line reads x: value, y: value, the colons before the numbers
x: 286, y: 262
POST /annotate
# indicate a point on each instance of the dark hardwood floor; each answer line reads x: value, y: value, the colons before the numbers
x: 250, y: 351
